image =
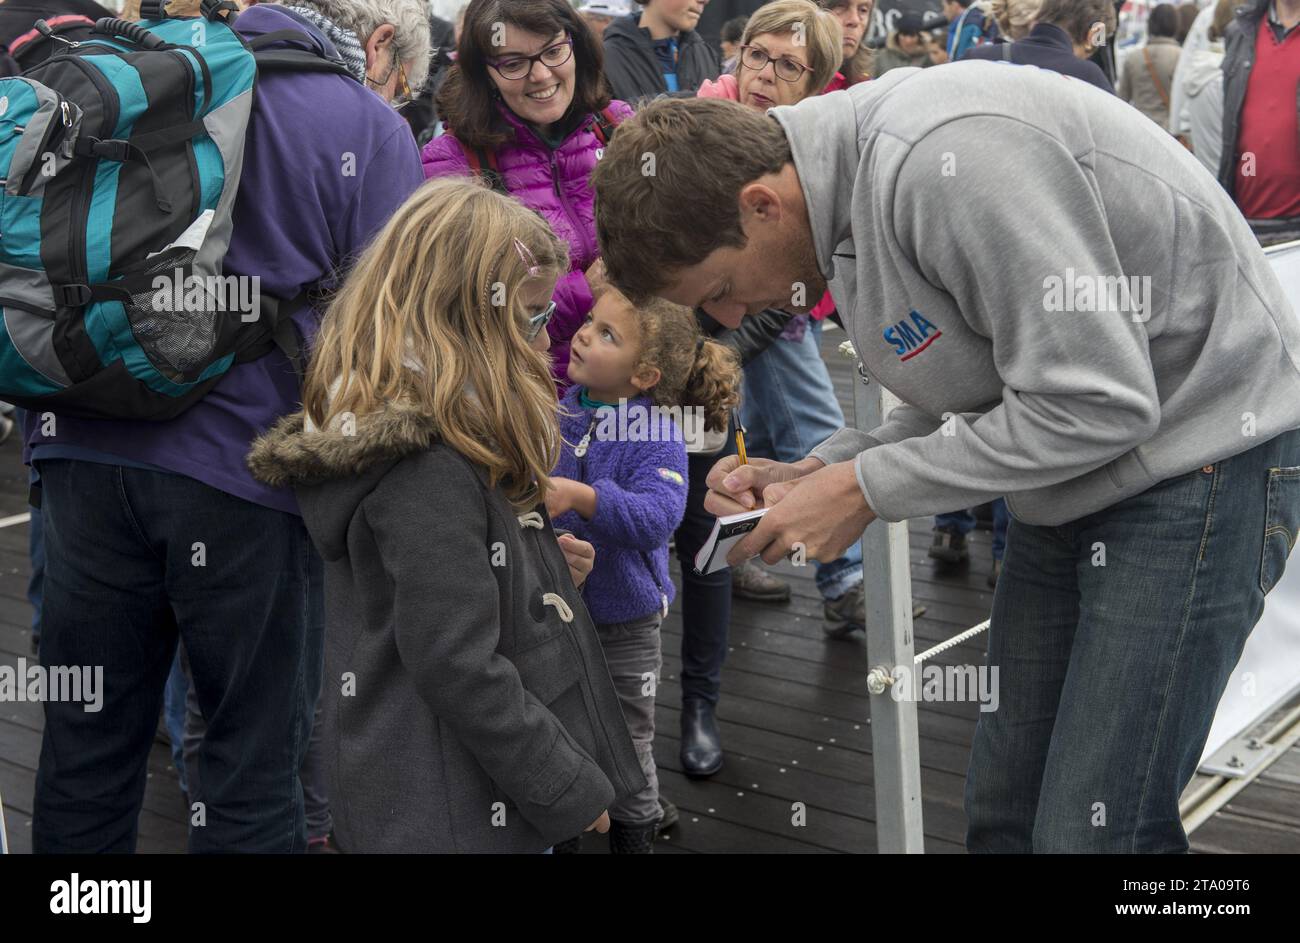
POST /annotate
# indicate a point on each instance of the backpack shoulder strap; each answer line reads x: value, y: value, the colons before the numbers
x: 605, y: 125
x: 280, y: 331
x: 483, y: 162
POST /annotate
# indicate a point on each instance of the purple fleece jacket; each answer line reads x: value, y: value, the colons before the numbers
x: 557, y: 184
x: 297, y: 220
x: 640, y: 499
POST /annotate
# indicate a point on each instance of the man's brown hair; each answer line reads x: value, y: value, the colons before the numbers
x: 1079, y: 17
x: 668, y: 187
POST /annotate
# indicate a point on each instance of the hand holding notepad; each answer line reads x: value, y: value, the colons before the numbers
x: 727, y: 532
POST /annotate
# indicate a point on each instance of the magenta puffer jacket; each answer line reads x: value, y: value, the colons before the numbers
x: 556, y: 184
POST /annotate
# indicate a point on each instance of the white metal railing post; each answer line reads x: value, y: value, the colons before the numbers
x: 887, y: 585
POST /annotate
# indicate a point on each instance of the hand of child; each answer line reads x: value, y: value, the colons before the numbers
x: 601, y: 824
x: 565, y: 494
x: 735, y: 488
x: 558, y: 497
x: 579, y: 555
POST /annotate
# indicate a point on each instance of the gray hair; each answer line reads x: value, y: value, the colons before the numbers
x: 409, y: 19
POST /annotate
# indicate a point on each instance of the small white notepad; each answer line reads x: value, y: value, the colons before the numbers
x: 727, y: 531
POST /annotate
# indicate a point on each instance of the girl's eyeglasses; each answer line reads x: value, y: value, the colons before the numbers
x: 539, y: 321
x: 787, y: 69
x: 516, y: 68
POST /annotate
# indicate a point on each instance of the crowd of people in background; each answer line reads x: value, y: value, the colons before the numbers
x: 371, y: 554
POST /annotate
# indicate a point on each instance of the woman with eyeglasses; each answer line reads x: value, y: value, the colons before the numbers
x: 526, y: 107
x: 789, y: 50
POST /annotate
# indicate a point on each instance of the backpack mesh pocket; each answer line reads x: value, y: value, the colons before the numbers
x: 177, y: 335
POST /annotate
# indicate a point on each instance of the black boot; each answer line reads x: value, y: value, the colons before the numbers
x: 627, y: 839
x: 701, y: 749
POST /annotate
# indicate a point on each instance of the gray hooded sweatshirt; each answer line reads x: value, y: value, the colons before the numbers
x: 1068, y: 304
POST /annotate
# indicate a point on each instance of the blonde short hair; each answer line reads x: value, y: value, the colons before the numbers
x: 1015, y: 17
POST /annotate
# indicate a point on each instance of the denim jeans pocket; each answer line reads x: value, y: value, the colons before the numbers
x: 1281, y: 526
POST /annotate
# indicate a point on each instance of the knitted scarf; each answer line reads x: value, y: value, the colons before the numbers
x: 344, y: 40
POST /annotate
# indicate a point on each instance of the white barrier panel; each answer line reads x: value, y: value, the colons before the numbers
x: 1269, y: 670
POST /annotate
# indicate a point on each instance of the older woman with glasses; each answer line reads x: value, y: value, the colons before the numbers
x: 790, y: 49
x: 527, y: 107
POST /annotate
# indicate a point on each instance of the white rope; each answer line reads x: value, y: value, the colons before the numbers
x: 16, y: 519
x: 531, y: 519
x: 955, y: 640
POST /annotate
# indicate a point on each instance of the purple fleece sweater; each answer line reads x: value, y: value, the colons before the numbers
x: 640, y: 499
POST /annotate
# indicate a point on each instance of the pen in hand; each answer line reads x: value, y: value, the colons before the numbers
x: 740, y: 449
x: 740, y: 437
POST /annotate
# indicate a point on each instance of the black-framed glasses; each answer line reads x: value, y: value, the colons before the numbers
x: 539, y: 321
x: 756, y: 58
x: 517, y: 67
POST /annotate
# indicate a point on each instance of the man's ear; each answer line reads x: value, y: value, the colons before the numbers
x: 379, y: 40
x: 646, y: 378
x: 759, y: 200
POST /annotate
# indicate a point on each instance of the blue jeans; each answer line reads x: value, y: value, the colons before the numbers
x: 963, y: 522
x: 789, y: 408
x: 314, y: 773
x: 123, y: 581
x: 1110, y: 674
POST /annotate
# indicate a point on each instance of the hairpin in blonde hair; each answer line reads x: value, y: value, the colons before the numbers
x: 530, y: 262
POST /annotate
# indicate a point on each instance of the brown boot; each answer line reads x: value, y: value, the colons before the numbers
x: 751, y: 581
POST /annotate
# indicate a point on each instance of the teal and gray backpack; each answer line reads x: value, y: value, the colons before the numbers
x: 121, y: 157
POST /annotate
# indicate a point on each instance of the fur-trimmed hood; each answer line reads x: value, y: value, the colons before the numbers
x: 332, y: 472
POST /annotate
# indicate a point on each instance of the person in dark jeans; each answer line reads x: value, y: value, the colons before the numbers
x: 706, y: 617
x: 157, y: 530
x: 706, y: 599
x: 132, y: 553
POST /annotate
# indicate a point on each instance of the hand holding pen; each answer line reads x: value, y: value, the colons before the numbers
x: 737, y: 482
